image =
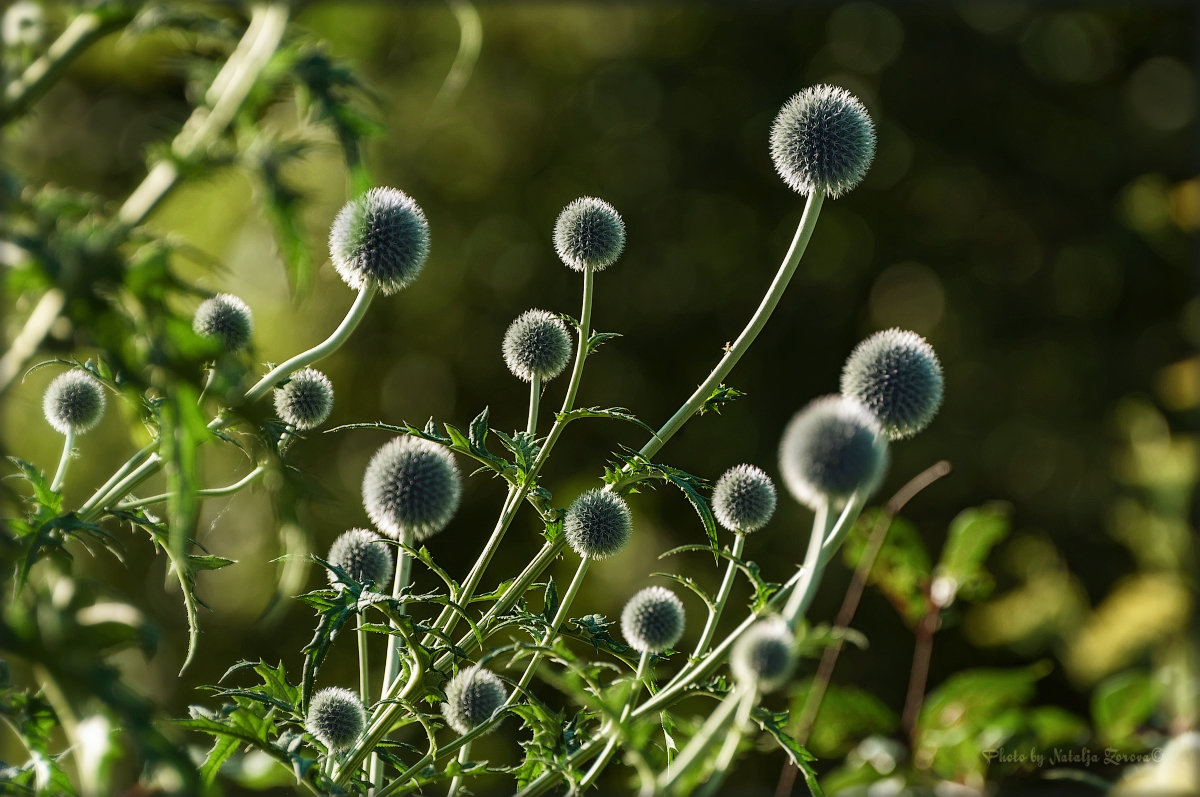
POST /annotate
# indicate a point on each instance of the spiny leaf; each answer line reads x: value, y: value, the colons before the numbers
x: 720, y: 396
x: 616, y: 413
x: 598, y: 339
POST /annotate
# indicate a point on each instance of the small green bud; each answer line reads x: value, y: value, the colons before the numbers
x: 336, y: 717
x: 381, y: 237
x: 823, y: 139
x: 226, y: 318
x: 306, y: 400
x: 744, y: 498
x: 411, y: 484
x: 363, y: 555
x: 832, y: 448
x: 598, y: 524
x: 537, y: 344
x: 896, y: 374
x: 472, y: 697
x: 74, y: 401
x: 589, y: 232
x: 762, y: 657
x: 652, y: 620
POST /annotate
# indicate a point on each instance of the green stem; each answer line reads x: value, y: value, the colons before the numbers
x: 61, y: 474
x: 808, y: 221
x: 614, y: 732
x: 321, y: 350
x: 391, y: 665
x: 802, y: 595
x: 699, y: 743
x: 464, y: 754
x: 211, y: 492
x: 560, y: 616
x: 714, y: 614
x: 732, y: 740
x: 535, y: 394
x: 122, y: 472
x: 364, y: 666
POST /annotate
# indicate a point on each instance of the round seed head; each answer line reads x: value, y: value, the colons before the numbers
x: 74, y: 401
x: 896, y: 374
x: 381, y: 237
x: 823, y: 139
x: 652, y: 620
x: 832, y: 448
x: 336, y: 717
x: 744, y: 498
x: 226, y: 318
x: 306, y: 400
x: 411, y: 484
x: 363, y: 555
x: 537, y: 344
x: 472, y: 697
x: 598, y: 524
x: 589, y: 232
x: 763, y: 656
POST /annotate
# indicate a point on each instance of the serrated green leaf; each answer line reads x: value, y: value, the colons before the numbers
x: 598, y: 339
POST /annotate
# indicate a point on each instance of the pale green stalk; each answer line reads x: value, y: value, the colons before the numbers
x: 802, y: 595
x: 698, y: 745
x: 535, y: 394
x: 808, y: 221
x: 560, y: 616
x: 121, y: 473
x: 61, y: 474
x: 391, y: 663
x: 614, y: 731
x: 714, y: 614
x: 207, y: 493
x: 732, y: 740
x: 364, y: 665
x: 464, y: 754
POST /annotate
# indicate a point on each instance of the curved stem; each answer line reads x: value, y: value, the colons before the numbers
x: 714, y: 614
x: 560, y: 616
x: 121, y: 473
x: 464, y: 754
x: 808, y: 221
x: 61, y: 474
x: 323, y: 349
x: 802, y: 595
x: 211, y: 492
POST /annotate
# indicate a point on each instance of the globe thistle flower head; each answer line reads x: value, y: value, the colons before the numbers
x: 306, y: 400
x: 831, y: 449
x: 336, y: 717
x: 896, y: 374
x: 598, y: 524
x: 411, y: 484
x: 763, y: 657
x: 652, y: 620
x: 363, y: 555
x: 823, y: 139
x: 226, y: 318
x: 472, y: 697
x: 744, y: 498
x: 589, y: 233
x: 74, y: 402
x: 382, y: 237
x: 537, y: 344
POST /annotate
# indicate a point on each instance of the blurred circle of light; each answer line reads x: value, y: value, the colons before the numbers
x: 1068, y: 48
x: 864, y: 36
x: 1162, y: 94
x: 907, y: 295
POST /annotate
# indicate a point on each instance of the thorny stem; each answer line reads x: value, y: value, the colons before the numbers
x: 808, y: 222
x: 61, y: 474
x: 714, y: 614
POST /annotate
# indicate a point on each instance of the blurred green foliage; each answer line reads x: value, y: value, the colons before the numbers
x: 1032, y: 212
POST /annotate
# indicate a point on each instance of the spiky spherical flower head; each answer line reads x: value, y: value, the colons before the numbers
x: 306, y: 400
x: 411, y: 484
x: 381, y: 237
x: 598, y: 524
x: 896, y: 374
x: 226, y: 318
x: 652, y: 620
x: 363, y: 555
x: 336, y: 717
x: 763, y: 657
x: 589, y: 232
x: 744, y: 498
x: 823, y: 139
x: 537, y: 344
x: 832, y: 448
x: 74, y: 402
x: 472, y: 697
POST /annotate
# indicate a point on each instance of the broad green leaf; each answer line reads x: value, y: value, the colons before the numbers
x: 973, y: 534
x: 847, y: 715
x: 1123, y: 703
x: 901, y: 570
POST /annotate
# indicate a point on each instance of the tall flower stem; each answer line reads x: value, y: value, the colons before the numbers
x: 464, y: 755
x: 714, y: 614
x: 391, y: 663
x: 745, y: 704
x: 61, y: 474
x: 211, y: 492
x: 801, y: 595
x: 614, y: 731
x: 564, y: 607
x: 535, y: 394
x: 808, y: 222
x: 703, y: 739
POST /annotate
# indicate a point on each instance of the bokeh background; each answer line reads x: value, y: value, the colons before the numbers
x: 1032, y: 211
